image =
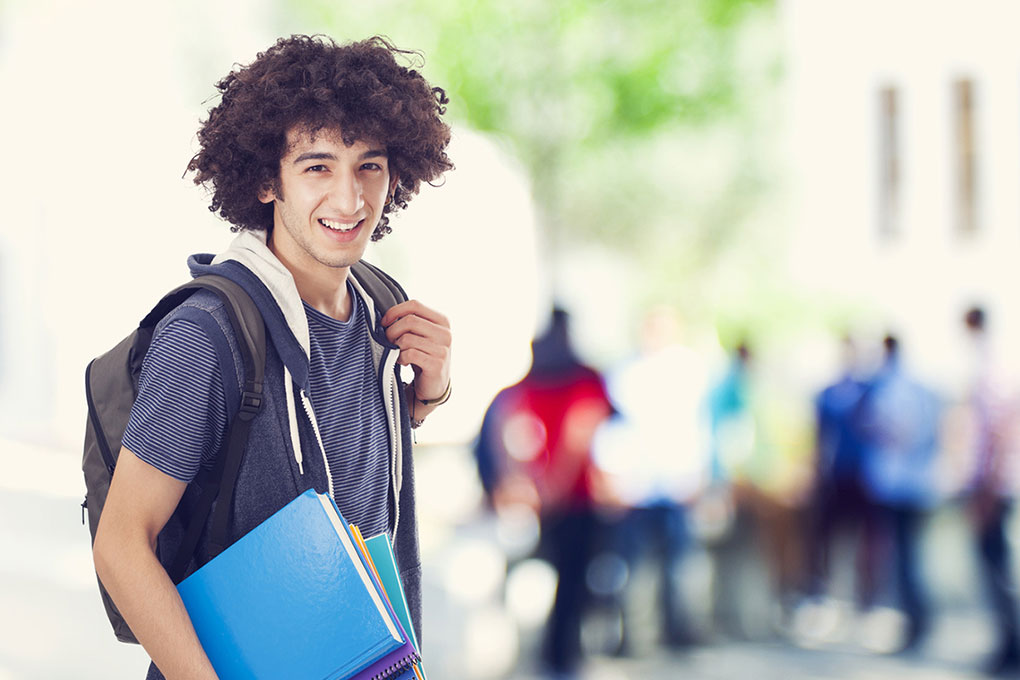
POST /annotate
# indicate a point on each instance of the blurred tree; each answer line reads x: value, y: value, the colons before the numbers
x: 608, y: 104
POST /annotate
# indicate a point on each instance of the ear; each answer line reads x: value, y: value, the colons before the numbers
x: 394, y: 181
x: 266, y: 194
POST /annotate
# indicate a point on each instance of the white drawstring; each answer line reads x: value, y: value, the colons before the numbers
x: 295, y: 439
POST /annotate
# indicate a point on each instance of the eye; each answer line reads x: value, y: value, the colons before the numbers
x: 371, y: 166
x: 316, y: 168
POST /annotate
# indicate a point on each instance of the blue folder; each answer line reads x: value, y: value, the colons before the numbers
x: 291, y: 599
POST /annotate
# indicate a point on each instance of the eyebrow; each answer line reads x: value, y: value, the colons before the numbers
x: 326, y: 156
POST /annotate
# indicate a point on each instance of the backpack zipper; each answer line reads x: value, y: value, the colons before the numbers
x: 104, y: 448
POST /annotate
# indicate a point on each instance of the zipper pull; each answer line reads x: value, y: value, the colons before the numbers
x: 84, y: 505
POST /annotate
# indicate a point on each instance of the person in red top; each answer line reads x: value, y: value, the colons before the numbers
x: 535, y: 447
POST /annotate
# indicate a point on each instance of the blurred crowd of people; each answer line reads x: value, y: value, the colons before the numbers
x: 631, y: 470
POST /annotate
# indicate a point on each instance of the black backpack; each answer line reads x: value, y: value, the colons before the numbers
x: 111, y: 386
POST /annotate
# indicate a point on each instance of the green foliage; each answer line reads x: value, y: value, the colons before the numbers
x: 605, y: 102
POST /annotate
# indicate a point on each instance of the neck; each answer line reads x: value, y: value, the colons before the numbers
x: 324, y: 288
x: 332, y: 299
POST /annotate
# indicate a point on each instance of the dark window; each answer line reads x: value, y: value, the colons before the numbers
x: 889, y: 162
x: 965, y: 156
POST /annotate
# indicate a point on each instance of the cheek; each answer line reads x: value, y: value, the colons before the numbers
x: 379, y: 192
x: 303, y: 198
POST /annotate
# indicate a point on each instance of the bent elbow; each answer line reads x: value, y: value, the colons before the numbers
x: 114, y: 545
x: 103, y: 552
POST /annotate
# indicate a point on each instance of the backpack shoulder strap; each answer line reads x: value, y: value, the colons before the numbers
x: 245, y: 319
x: 383, y: 288
x: 250, y: 332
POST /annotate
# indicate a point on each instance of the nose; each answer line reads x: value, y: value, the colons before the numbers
x: 345, y: 194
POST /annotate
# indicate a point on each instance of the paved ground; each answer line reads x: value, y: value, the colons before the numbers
x: 954, y: 651
x: 52, y: 624
x: 777, y: 662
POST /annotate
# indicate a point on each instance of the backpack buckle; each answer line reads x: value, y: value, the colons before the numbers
x: 251, y: 402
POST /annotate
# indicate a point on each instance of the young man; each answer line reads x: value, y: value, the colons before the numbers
x: 310, y: 149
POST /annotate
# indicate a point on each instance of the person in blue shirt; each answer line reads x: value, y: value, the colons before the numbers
x: 898, y: 419
x: 840, y: 502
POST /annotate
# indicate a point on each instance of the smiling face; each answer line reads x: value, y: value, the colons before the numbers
x: 327, y: 202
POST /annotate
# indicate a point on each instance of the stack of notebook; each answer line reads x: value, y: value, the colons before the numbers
x: 303, y: 596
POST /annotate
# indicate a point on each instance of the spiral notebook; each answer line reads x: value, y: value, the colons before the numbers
x: 398, y: 664
x: 380, y: 558
x: 295, y: 598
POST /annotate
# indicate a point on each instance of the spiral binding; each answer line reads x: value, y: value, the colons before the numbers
x: 397, y: 668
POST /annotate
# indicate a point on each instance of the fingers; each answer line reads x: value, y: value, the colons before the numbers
x: 412, y: 317
x: 428, y: 363
x: 409, y: 341
x: 414, y: 307
x: 424, y: 338
x: 418, y: 326
x: 431, y: 362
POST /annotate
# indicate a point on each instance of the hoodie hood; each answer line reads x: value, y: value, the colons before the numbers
x: 249, y: 263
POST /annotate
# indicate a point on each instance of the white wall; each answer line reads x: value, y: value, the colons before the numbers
x: 99, y: 115
x: 838, y: 56
x: 100, y: 107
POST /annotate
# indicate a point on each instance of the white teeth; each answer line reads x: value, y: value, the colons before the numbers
x: 339, y: 226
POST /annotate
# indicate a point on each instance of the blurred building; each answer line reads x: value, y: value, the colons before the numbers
x: 904, y: 161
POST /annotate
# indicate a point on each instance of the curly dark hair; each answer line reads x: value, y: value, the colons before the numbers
x: 313, y: 83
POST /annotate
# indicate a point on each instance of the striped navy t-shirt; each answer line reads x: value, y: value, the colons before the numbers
x: 179, y: 420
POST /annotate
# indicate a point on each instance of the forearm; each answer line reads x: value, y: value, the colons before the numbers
x: 148, y: 600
